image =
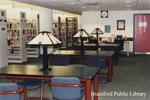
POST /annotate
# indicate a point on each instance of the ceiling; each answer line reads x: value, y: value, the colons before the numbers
x: 77, y: 6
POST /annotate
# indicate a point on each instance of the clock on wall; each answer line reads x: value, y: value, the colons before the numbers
x: 104, y: 13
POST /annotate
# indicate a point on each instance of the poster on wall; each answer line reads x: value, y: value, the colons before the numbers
x: 107, y: 29
x: 120, y: 24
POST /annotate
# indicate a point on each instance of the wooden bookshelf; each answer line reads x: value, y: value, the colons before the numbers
x: 65, y: 30
x: 71, y: 30
x: 59, y: 29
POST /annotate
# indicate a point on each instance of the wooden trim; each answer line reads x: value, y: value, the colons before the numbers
x: 66, y: 85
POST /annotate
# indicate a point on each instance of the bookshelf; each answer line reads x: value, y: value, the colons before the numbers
x: 13, y: 33
x: 32, y: 30
x: 59, y: 29
x: 3, y: 39
x: 65, y: 30
x: 16, y: 38
x: 71, y: 30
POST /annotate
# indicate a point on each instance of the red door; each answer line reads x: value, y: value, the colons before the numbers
x: 142, y: 33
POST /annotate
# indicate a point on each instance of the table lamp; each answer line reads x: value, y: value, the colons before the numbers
x: 45, y: 39
x: 82, y: 34
x: 97, y: 31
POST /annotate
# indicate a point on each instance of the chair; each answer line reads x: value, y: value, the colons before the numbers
x: 66, y: 88
x: 119, y: 40
x: 30, y: 84
x: 76, y: 65
x: 98, y: 62
x: 63, y: 60
x: 11, y: 91
x: 102, y: 63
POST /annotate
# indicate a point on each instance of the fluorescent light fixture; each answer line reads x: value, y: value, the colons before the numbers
x: 97, y: 7
x: 23, y: 9
x: 72, y: 3
x: 128, y: 1
x: 9, y: 6
x: 128, y: 6
x: 83, y: 7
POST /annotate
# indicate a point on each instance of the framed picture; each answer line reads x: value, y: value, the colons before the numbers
x: 107, y: 29
x: 120, y: 24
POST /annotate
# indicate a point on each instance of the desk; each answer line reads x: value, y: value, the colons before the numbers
x: 103, y: 46
x: 86, y: 74
x: 100, y: 54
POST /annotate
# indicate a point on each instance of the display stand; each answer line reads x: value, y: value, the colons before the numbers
x: 3, y: 39
x: 16, y: 29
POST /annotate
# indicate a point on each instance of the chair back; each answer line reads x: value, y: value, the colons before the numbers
x: 66, y: 88
x: 63, y: 60
x: 76, y: 65
x: 30, y: 84
x: 98, y: 62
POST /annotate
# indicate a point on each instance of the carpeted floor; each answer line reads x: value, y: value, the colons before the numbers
x: 131, y: 80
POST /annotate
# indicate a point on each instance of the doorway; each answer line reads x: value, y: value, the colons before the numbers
x: 141, y: 33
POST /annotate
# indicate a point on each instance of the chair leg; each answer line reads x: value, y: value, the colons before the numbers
x: 42, y: 90
x: 25, y: 94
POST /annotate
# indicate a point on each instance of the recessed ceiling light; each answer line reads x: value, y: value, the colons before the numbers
x: 128, y: 6
x: 72, y: 3
x: 127, y: 1
x: 97, y: 7
x: 83, y: 7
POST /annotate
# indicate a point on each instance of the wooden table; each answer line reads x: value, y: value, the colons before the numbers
x: 100, y: 54
x: 104, y: 47
x: 85, y: 74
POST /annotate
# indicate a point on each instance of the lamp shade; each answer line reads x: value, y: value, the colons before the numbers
x: 97, y: 31
x: 45, y: 38
x: 81, y: 33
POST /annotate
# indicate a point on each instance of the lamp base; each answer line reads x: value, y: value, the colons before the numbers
x: 46, y: 70
x: 82, y: 52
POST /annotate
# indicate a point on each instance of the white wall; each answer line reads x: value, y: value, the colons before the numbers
x: 92, y: 19
x: 45, y: 19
